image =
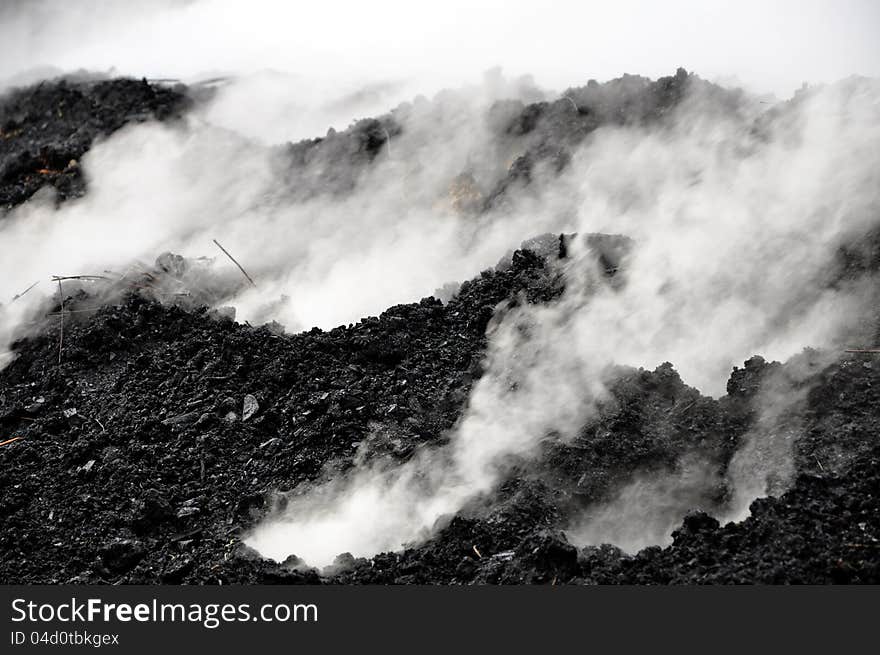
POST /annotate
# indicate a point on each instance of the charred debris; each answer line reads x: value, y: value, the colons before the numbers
x: 166, y: 430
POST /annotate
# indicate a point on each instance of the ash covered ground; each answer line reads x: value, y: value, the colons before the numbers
x: 154, y: 434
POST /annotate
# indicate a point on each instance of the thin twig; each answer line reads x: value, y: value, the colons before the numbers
x: 80, y: 277
x: 77, y: 311
x: 573, y: 103
x: 103, y: 429
x: 822, y: 468
x: 61, y: 314
x: 19, y: 295
x: 235, y: 262
x: 9, y: 441
x: 688, y: 406
x: 862, y: 350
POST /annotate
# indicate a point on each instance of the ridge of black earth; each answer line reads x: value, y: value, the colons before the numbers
x: 46, y: 128
x: 156, y: 476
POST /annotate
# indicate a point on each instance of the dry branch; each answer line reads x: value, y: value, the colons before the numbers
x: 9, y: 441
x: 226, y: 252
x: 61, y: 332
x: 80, y: 277
x: 19, y: 295
x: 76, y: 311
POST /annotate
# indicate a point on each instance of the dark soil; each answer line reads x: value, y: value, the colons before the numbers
x: 46, y: 129
x: 140, y: 459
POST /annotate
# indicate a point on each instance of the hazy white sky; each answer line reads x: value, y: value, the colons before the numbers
x: 769, y: 46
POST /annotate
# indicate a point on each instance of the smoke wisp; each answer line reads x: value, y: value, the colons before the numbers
x: 735, y: 229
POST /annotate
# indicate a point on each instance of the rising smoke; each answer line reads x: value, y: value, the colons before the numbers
x: 735, y: 219
x: 735, y: 214
x: 735, y: 224
x: 325, y: 261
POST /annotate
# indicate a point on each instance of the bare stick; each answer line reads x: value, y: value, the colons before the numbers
x: 226, y: 252
x: 866, y: 350
x: 80, y: 277
x: 61, y: 332
x: 573, y: 103
x: 8, y: 441
x: 76, y: 311
x: 19, y: 295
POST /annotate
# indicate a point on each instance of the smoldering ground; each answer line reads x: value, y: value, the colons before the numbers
x: 735, y: 229
x: 703, y: 283
x: 197, y: 181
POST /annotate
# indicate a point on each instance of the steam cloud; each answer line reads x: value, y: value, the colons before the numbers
x: 322, y: 262
x: 734, y: 229
x: 733, y: 225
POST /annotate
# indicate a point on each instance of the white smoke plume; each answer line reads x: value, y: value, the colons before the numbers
x: 735, y: 229
x: 646, y: 510
x: 325, y: 261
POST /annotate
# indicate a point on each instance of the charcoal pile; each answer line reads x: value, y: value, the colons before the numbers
x: 46, y: 129
x: 144, y: 437
x: 206, y: 417
x: 161, y: 437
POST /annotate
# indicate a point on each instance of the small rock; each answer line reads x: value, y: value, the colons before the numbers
x: 172, y: 263
x: 205, y: 420
x: 69, y: 413
x: 249, y: 408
